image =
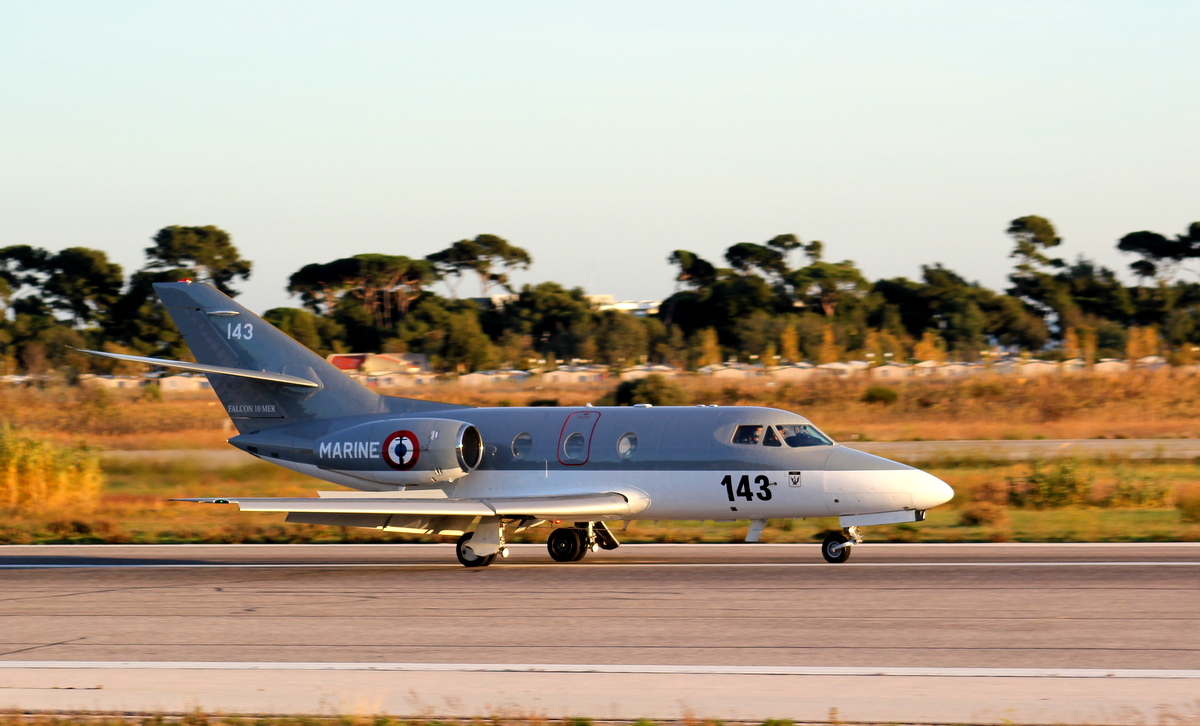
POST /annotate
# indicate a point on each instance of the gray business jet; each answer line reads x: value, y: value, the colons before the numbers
x: 476, y: 473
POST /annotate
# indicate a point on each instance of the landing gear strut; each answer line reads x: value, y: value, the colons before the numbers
x: 836, y: 547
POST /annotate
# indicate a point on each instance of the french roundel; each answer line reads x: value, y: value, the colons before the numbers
x: 401, y: 450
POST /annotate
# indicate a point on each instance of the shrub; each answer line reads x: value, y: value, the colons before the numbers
x: 654, y: 389
x: 1059, y: 485
x: 37, y: 474
x: 1133, y: 492
x: 880, y: 394
x: 1187, y: 501
x: 980, y: 513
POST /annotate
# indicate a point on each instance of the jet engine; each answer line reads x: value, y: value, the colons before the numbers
x: 403, y: 451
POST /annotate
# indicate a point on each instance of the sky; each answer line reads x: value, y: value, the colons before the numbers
x: 600, y: 136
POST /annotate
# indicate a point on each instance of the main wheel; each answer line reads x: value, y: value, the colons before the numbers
x: 469, y: 558
x: 565, y: 545
x: 830, y: 553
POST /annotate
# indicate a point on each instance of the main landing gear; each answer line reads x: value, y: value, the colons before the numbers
x: 566, y: 544
x: 836, y: 547
x: 571, y: 544
x: 467, y: 556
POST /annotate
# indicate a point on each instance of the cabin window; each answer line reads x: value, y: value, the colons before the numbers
x: 797, y: 435
x: 771, y: 439
x: 574, y: 446
x: 747, y: 434
x: 522, y: 444
x: 626, y: 445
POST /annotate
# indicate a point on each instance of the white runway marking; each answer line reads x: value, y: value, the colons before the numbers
x: 395, y: 565
x: 605, y: 668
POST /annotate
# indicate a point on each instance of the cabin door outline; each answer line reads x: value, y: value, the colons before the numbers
x: 579, y: 423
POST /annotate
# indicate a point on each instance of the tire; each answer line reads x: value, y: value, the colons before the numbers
x: 565, y: 545
x: 827, y: 552
x: 583, y: 548
x: 468, y: 558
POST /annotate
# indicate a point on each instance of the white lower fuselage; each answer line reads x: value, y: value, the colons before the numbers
x: 696, y: 495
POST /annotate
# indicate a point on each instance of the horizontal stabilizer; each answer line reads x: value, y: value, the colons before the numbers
x: 205, y: 368
x: 579, y: 505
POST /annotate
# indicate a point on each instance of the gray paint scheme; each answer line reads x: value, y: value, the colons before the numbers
x: 285, y: 422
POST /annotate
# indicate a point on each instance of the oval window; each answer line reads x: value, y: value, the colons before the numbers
x: 522, y: 444
x: 574, y: 445
x: 626, y: 445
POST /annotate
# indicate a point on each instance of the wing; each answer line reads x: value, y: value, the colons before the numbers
x: 600, y: 504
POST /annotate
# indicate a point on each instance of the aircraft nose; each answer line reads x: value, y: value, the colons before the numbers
x: 931, y: 492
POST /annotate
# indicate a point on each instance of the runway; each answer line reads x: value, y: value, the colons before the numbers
x: 1049, y: 611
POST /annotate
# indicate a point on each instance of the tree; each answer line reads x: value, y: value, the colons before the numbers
x: 789, y: 344
x: 826, y: 283
x: 621, y: 338
x: 1033, y: 236
x: 1161, y: 256
x: 746, y: 257
x: 83, y: 282
x: 379, y: 282
x: 931, y: 347
x: 694, y: 270
x: 319, y: 334
x: 207, y: 253
x: 1070, y: 347
x: 708, y: 349
x: 139, y: 320
x: 1142, y: 341
x: 557, y: 320
x: 488, y: 256
x: 830, y: 351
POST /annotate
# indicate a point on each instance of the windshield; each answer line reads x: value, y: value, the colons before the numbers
x: 797, y: 435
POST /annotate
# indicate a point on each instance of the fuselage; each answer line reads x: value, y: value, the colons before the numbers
x: 693, y: 462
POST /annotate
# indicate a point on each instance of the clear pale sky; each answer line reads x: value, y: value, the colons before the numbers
x: 599, y: 136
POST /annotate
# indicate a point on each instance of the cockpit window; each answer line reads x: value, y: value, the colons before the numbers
x: 771, y: 439
x: 797, y: 435
x: 747, y: 434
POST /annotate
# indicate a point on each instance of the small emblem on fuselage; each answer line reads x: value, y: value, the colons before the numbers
x: 793, y: 478
x: 401, y: 450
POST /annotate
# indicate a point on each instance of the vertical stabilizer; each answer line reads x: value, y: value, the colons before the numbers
x: 221, y: 332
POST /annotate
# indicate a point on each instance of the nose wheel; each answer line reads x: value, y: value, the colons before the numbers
x: 836, y: 547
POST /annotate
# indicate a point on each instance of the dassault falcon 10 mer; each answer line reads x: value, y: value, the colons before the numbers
x: 477, y: 473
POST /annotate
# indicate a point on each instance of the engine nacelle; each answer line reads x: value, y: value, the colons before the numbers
x: 403, y: 451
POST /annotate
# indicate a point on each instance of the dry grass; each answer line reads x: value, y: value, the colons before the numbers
x: 133, y: 509
x: 1163, y: 404
x: 38, y: 476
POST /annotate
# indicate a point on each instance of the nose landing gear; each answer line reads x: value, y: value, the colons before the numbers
x: 836, y: 547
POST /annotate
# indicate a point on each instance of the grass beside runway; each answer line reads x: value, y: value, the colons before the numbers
x: 1068, y: 501
x: 211, y: 719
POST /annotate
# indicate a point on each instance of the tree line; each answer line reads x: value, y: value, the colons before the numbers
x: 777, y: 301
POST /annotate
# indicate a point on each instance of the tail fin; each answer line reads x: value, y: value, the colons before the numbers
x: 220, y: 332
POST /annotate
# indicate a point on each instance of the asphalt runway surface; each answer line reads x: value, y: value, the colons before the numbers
x: 1106, y: 606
